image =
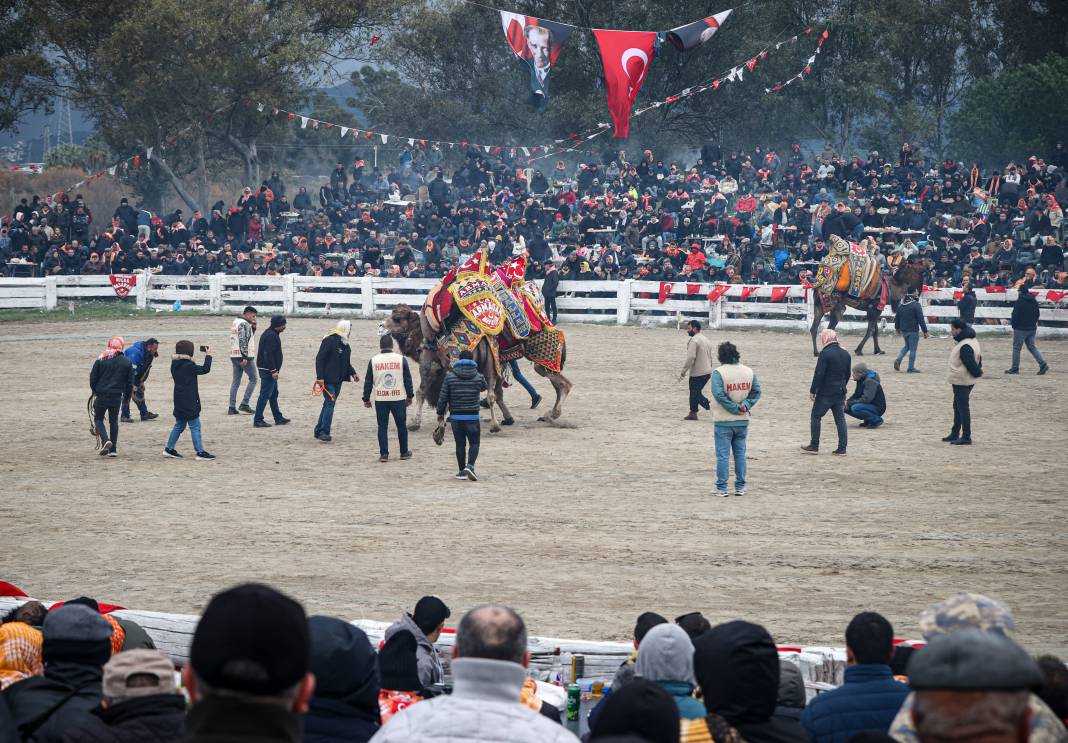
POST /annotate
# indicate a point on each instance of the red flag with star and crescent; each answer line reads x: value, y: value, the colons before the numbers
x: 626, y: 56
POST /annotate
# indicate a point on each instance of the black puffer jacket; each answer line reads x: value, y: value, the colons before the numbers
x: 159, y: 718
x: 110, y: 378
x: 832, y: 372
x: 62, y: 698
x: 462, y: 389
x: 186, y: 389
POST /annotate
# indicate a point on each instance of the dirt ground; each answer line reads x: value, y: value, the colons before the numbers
x: 580, y: 529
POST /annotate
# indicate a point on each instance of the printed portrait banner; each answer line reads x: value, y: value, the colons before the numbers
x: 537, y: 43
x: 692, y: 35
x: 626, y: 56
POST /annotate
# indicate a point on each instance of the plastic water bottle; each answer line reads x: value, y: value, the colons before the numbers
x: 177, y: 305
x: 556, y: 675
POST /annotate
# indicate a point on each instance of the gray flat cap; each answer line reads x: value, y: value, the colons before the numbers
x: 973, y: 659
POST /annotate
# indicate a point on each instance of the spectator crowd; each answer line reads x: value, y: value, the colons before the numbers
x: 260, y: 670
x: 760, y: 216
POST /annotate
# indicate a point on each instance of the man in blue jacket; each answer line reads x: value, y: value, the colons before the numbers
x: 870, y: 697
x: 140, y: 355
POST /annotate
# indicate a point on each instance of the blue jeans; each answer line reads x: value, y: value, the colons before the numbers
x: 518, y: 376
x: 728, y: 439
x: 912, y: 343
x: 194, y: 431
x: 865, y: 411
x: 326, y: 416
x: 397, y: 409
x: 268, y: 394
x: 1020, y: 338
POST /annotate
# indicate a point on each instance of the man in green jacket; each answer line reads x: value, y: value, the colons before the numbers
x: 736, y: 390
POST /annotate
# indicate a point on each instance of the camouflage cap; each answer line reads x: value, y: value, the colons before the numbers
x: 966, y: 610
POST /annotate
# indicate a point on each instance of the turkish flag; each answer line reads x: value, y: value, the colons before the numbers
x: 665, y: 289
x: 1055, y: 296
x: 626, y: 56
x: 747, y: 291
x: 693, y: 288
x: 995, y: 290
x: 778, y: 293
x: 717, y: 291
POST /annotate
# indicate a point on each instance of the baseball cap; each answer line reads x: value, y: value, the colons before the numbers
x: 973, y: 659
x: 138, y: 663
x: 251, y: 639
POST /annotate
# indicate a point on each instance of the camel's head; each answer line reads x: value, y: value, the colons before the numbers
x: 402, y: 321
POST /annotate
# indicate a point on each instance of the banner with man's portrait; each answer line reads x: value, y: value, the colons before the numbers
x: 537, y: 43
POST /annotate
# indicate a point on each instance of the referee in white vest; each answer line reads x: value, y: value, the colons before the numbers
x: 735, y: 390
x: 389, y: 379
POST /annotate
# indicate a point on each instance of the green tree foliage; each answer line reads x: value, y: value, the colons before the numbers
x: 1013, y: 115
x: 24, y: 84
x: 66, y: 156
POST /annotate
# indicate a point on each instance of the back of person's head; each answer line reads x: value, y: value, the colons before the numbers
x: 791, y: 686
x: 646, y: 621
x: 345, y: 665
x: 74, y: 633
x: 694, y: 623
x: 642, y: 708
x: 398, y: 664
x: 737, y: 668
x: 183, y: 348
x: 251, y: 641
x: 728, y: 353
x: 666, y: 654
x: 138, y: 673
x: 870, y: 638
x: 430, y: 613
x: 972, y: 685
x: 1054, y: 690
x: 32, y: 613
x: 385, y: 343
x: 492, y: 632
x: 466, y: 355
x: 958, y: 324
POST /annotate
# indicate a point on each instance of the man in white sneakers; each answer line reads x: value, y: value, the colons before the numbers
x: 243, y: 358
x: 735, y: 390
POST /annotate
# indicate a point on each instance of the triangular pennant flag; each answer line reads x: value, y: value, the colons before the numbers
x: 411, y: 141
x: 779, y: 292
x: 344, y: 131
x: 715, y: 85
x: 751, y: 64
x: 764, y: 54
x: 486, y: 147
x: 148, y: 153
x: 526, y: 151
x: 747, y: 291
x: 112, y: 169
x: 303, y: 122
x: 259, y: 107
x: 823, y: 37
x: 384, y: 138
x: 626, y: 56
x: 694, y: 34
x: 315, y: 124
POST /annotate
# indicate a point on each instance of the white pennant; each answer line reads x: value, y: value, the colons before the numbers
x: 303, y: 122
x: 526, y: 151
x: 385, y: 138
x: 259, y: 107
x: 411, y: 141
x: 486, y: 147
x: 767, y: 90
x: 315, y: 124
x: 812, y: 59
x: 344, y: 131
x: 148, y: 154
x: 111, y: 170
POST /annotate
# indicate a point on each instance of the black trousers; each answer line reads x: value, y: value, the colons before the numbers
x: 819, y: 409
x: 383, y: 411
x: 962, y: 410
x: 111, y: 407
x: 697, y: 395
x: 550, y: 308
x: 467, y: 434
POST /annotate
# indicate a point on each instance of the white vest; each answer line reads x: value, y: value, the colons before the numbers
x: 388, y: 371
x: 235, y: 345
x: 958, y: 373
x: 737, y: 383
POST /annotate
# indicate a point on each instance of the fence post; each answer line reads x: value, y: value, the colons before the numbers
x: 715, y: 313
x: 215, y: 292
x: 142, y: 289
x: 50, y: 293
x: 289, y: 287
x: 810, y: 306
x: 367, y: 298
x: 623, y: 295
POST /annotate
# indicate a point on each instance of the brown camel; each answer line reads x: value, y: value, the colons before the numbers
x: 908, y: 278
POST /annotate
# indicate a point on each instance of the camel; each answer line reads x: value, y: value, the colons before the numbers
x: 410, y: 329
x: 907, y: 278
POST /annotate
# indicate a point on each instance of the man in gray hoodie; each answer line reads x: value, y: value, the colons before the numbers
x: 425, y: 623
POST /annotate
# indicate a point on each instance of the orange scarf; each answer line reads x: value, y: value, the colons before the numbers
x: 20, y: 653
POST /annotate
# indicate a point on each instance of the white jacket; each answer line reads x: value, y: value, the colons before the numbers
x: 484, y: 706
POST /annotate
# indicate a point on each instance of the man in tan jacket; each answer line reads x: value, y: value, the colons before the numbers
x: 699, y: 366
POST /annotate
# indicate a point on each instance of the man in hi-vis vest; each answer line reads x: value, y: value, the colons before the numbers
x: 389, y: 379
x: 736, y: 390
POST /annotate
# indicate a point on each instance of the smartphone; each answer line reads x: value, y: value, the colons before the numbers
x: 203, y: 349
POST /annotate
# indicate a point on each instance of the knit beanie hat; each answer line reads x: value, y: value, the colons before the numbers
x: 344, y: 664
x: 184, y: 348
x: 397, y: 663
x: 641, y: 708
x: 75, y: 633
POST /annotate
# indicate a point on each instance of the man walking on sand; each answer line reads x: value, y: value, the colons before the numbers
x: 243, y: 358
x: 389, y: 379
x: 1024, y: 329
x: 699, y: 366
x: 736, y: 390
x: 828, y: 392
x: 910, y: 322
x: 269, y: 364
x: 460, y: 392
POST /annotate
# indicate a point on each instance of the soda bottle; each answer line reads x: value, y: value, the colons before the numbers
x: 574, y: 699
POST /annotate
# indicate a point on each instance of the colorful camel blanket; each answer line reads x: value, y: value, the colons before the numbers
x: 546, y: 348
x: 477, y: 300
x: 849, y: 269
x: 465, y: 335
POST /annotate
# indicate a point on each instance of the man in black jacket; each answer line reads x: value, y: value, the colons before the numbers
x: 548, y: 290
x: 77, y: 644
x: 185, y: 371
x: 460, y: 393
x: 828, y: 391
x: 141, y: 703
x: 910, y: 322
x: 1024, y: 330
x: 333, y: 367
x: 269, y: 364
x: 111, y: 376
x: 966, y: 304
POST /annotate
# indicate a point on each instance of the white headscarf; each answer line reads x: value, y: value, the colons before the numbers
x: 341, y: 330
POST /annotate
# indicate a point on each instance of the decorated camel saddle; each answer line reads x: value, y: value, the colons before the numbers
x: 477, y: 300
x: 850, y: 270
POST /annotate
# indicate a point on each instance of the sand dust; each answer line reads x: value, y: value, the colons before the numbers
x: 579, y: 529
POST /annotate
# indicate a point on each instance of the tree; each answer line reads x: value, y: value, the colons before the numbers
x: 24, y: 71
x: 1013, y: 115
x: 66, y: 156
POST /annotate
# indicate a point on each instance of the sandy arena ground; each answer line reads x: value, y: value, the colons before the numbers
x: 580, y: 529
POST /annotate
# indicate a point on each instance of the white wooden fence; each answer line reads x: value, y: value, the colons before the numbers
x: 619, y: 302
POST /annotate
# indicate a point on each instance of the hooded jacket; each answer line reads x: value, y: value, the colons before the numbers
x: 269, y: 354
x: 345, y: 706
x: 185, y: 371
x: 1025, y: 312
x: 666, y: 657
x: 333, y: 363
x: 461, y: 390
x: 909, y: 317
x: 426, y: 655
x: 869, y: 390
x: 69, y: 690
x: 792, y: 697
x: 737, y: 667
